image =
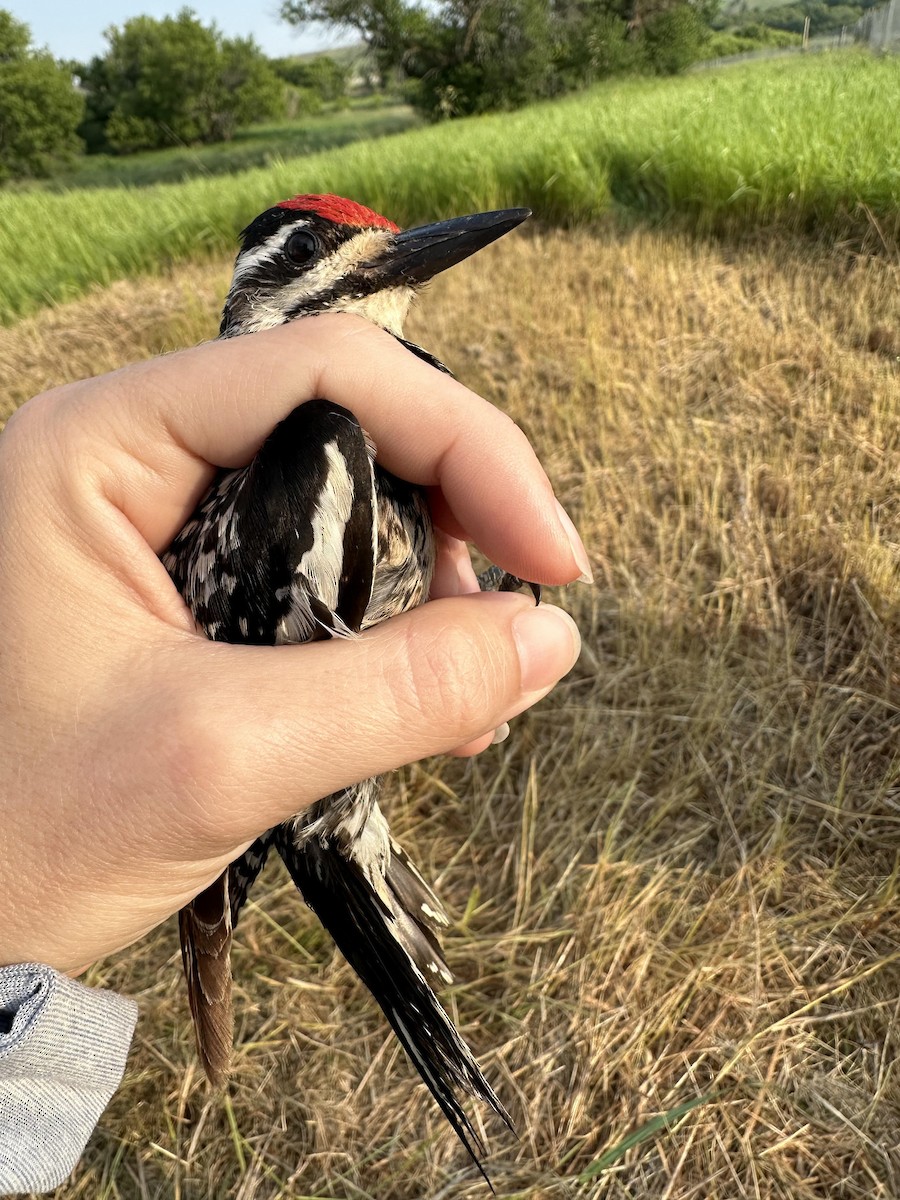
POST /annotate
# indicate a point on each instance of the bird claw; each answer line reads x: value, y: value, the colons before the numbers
x: 494, y: 579
x: 512, y: 583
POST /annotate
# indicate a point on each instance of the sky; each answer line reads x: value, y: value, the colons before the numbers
x: 74, y: 28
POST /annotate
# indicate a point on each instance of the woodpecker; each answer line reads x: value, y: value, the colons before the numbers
x: 314, y: 539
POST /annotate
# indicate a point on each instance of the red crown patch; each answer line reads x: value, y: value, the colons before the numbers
x: 336, y: 208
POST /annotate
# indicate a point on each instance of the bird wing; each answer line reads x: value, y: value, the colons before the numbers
x: 425, y: 356
x: 282, y: 550
x: 243, y: 871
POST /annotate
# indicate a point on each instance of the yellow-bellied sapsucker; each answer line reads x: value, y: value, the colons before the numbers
x: 313, y: 539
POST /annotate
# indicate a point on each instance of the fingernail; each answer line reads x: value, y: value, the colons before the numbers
x: 578, y: 551
x: 501, y: 733
x: 548, y: 643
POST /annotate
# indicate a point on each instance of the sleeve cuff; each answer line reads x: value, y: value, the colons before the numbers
x: 63, y: 1048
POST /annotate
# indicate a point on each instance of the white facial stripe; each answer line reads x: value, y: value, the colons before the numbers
x: 266, y: 252
x: 386, y: 308
x: 366, y: 246
x: 262, y: 316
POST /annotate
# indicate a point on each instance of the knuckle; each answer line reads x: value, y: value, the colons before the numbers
x: 453, y: 678
x: 515, y: 433
x: 23, y: 462
x: 195, y: 760
x: 36, y: 436
x: 25, y: 421
x: 14, y: 423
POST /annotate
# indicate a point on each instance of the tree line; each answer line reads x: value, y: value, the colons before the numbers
x: 825, y: 16
x: 471, y: 56
x: 176, y: 81
x: 167, y: 82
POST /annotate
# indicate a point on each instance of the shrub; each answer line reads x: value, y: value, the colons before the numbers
x: 175, y: 81
x: 39, y: 107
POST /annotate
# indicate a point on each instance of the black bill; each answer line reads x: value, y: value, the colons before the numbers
x: 419, y: 254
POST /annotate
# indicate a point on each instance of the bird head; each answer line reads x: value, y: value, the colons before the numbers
x: 315, y: 254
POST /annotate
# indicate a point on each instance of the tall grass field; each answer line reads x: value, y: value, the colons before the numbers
x: 810, y: 144
x: 254, y: 146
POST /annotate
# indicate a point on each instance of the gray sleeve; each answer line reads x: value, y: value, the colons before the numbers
x: 63, y: 1048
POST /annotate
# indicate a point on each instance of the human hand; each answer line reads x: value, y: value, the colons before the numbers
x: 140, y: 758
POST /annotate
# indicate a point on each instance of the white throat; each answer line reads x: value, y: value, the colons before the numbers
x: 387, y: 308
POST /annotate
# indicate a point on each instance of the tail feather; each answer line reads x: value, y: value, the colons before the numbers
x: 370, y: 930
x: 418, y: 913
x: 204, y: 927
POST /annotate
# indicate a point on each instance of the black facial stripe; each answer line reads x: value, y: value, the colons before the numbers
x: 272, y: 275
x: 356, y: 286
x: 267, y: 224
x: 275, y: 270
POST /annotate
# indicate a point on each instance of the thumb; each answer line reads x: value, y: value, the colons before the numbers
x: 280, y: 727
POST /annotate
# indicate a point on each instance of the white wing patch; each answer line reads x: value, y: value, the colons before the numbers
x: 321, y: 564
x: 370, y: 842
x: 319, y: 570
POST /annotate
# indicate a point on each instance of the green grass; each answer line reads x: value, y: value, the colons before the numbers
x: 257, y: 146
x: 805, y: 143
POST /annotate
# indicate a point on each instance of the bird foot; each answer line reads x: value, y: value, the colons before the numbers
x: 495, y: 579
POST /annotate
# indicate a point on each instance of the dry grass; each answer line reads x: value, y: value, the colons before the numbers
x: 680, y: 874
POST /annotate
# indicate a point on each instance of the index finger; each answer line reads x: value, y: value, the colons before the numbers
x: 213, y: 405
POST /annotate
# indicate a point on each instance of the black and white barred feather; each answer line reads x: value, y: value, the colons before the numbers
x: 312, y: 540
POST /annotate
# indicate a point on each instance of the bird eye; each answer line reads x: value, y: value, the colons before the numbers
x: 301, y: 247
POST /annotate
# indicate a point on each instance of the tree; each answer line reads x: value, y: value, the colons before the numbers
x: 175, y: 81
x: 462, y: 57
x: 672, y: 38
x: 390, y: 28
x: 467, y: 56
x: 39, y: 106
x: 248, y: 80
x: 15, y: 38
x: 322, y: 74
x: 488, y: 54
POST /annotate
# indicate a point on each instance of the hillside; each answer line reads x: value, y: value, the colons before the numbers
x: 806, y: 145
x: 255, y: 146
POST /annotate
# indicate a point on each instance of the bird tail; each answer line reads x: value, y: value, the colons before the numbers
x: 385, y: 928
x: 205, y: 928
